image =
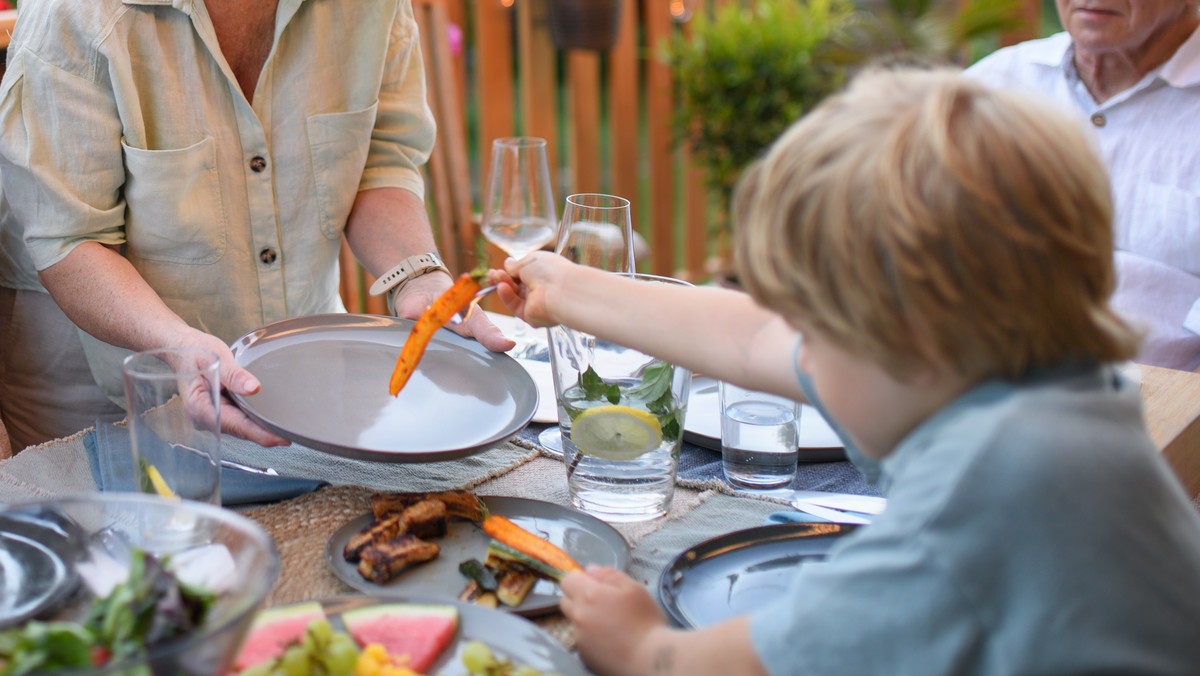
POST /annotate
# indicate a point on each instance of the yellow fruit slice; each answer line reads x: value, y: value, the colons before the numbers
x: 159, y: 483
x: 616, y: 432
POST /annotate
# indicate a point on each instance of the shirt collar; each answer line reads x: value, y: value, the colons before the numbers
x: 1181, y: 70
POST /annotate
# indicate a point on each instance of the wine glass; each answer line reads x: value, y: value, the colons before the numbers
x: 518, y: 208
x: 597, y: 231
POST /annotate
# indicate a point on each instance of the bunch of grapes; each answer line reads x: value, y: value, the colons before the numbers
x: 323, y: 652
x: 477, y: 657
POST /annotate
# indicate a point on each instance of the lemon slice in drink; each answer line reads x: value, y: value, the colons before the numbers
x: 616, y: 432
x: 159, y: 483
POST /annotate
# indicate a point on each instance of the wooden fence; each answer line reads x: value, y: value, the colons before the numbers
x: 606, y: 115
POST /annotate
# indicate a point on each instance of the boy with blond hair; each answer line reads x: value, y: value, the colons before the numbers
x: 928, y: 262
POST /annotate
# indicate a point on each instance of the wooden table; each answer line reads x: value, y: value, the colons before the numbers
x: 1171, y: 405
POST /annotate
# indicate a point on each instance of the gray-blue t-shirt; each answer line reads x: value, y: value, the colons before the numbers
x: 1031, y: 528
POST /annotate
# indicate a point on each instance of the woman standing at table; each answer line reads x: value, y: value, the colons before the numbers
x: 945, y: 252
x: 1130, y: 70
x: 179, y: 173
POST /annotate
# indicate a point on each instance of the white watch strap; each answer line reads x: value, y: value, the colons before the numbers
x: 410, y: 268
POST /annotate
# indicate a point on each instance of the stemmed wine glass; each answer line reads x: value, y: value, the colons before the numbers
x: 518, y: 208
x: 597, y: 231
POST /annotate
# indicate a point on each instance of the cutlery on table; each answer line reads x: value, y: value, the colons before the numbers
x: 248, y: 468
x: 833, y: 515
x: 846, y: 502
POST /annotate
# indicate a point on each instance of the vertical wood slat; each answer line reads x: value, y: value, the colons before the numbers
x: 658, y: 26
x: 539, y: 82
x: 623, y: 109
x: 583, y: 83
x: 494, y: 70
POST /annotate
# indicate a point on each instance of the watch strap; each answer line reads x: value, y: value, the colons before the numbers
x: 408, y: 269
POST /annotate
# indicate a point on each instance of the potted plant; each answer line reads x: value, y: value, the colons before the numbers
x: 585, y: 24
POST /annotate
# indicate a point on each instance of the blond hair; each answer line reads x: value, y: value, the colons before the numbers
x: 919, y: 217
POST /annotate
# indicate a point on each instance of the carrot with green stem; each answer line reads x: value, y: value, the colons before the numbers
x: 456, y: 298
x: 512, y: 535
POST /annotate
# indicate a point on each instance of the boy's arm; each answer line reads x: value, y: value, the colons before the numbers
x: 619, y: 629
x: 719, y: 332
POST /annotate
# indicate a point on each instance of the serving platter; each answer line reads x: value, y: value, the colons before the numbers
x: 509, y: 636
x: 818, y: 441
x: 325, y: 385
x: 587, y: 539
x: 741, y: 571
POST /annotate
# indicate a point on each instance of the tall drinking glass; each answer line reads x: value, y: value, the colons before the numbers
x: 596, y: 230
x: 621, y: 415
x: 518, y: 207
x: 173, y: 396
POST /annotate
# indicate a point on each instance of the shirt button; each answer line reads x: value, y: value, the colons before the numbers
x: 258, y: 164
x: 1098, y: 120
x: 267, y: 256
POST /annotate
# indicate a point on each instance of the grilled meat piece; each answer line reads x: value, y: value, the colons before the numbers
x: 426, y: 518
x: 383, y: 561
x: 459, y: 504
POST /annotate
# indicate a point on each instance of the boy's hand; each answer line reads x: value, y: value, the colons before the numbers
x: 524, y: 285
x: 614, y: 617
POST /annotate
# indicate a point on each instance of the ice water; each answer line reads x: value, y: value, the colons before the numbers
x: 620, y: 490
x: 759, y: 443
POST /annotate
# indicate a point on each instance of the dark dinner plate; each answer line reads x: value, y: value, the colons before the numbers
x: 741, y: 571
x: 325, y: 385
x: 35, y: 546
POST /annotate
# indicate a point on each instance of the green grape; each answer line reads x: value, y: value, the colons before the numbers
x: 341, y: 655
x: 320, y: 630
x: 295, y: 661
x: 526, y: 670
x: 477, y: 657
x: 260, y: 669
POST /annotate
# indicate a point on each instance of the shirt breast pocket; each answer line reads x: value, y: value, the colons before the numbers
x: 174, y: 212
x: 1164, y: 225
x: 338, y: 144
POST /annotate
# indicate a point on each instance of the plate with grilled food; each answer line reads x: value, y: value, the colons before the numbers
x: 432, y: 546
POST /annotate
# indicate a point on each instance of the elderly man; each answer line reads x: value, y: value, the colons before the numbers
x: 1130, y: 69
x: 178, y: 172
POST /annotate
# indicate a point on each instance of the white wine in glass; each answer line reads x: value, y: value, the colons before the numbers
x: 518, y: 207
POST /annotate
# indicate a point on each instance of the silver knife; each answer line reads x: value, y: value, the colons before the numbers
x: 831, y: 514
x: 864, y: 504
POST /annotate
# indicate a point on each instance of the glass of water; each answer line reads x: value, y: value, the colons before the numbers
x: 621, y: 415
x: 760, y: 437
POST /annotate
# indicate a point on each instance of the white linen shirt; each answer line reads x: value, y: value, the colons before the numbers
x: 1149, y: 135
x: 122, y: 123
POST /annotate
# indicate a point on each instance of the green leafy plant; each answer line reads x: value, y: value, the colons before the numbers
x: 748, y: 72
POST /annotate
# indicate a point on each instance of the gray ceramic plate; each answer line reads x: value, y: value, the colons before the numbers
x: 586, y: 538
x: 32, y: 576
x: 740, y: 571
x: 324, y: 385
x: 510, y: 637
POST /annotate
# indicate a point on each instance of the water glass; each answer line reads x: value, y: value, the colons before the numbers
x: 760, y: 435
x: 621, y: 415
x: 173, y: 397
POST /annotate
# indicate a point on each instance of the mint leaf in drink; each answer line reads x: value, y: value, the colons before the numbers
x: 594, y: 388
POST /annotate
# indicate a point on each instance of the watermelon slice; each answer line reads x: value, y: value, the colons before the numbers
x: 273, y: 630
x: 420, y: 632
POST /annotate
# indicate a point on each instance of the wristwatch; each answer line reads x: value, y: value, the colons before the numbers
x: 408, y: 269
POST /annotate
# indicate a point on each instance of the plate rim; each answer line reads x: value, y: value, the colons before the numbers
x: 333, y: 554
x: 348, y: 320
x: 735, y: 541
x: 63, y: 584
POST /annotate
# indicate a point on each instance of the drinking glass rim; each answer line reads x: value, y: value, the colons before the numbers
x: 618, y: 201
x: 520, y: 142
x: 133, y: 363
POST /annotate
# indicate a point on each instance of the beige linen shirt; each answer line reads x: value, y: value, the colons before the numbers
x: 122, y: 123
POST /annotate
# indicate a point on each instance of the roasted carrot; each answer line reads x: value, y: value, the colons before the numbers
x: 457, y: 297
x: 509, y: 533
